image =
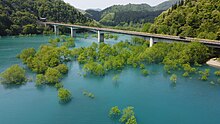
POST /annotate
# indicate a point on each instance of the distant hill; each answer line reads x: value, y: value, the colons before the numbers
x: 135, y: 13
x: 166, y: 5
x: 20, y: 16
x: 192, y: 18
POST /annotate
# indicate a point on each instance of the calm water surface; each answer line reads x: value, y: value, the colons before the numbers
x: 155, y: 100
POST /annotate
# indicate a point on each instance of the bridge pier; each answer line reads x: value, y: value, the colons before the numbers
x: 100, y: 37
x: 151, y: 41
x: 73, y: 32
x: 56, y: 29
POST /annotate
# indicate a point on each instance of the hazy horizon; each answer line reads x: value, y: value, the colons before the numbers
x: 99, y: 4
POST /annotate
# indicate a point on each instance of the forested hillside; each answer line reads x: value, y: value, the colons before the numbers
x: 192, y: 18
x: 20, y: 16
x: 125, y: 14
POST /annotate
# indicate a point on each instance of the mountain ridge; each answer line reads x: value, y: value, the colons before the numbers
x: 139, y: 13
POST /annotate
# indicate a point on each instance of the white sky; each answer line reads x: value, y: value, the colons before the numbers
x: 94, y: 4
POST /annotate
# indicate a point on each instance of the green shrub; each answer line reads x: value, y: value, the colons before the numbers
x: 173, y: 78
x: 127, y: 114
x: 58, y: 85
x: 217, y: 73
x: 64, y: 95
x: 13, y: 75
x: 40, y: 79
x: 144, y: 72
x: 52, y: 75
x: 62, y: 68
x: 114, y: 112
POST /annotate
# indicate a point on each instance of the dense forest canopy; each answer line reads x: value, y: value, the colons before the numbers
x: 20, y: 16
x: 135, y: 13
x: 191, y: 18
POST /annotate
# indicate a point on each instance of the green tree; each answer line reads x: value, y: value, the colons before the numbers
x: 127, y: 114
x: 13, y: 75
x: 52, y: 75
x: 62, y: 68
x: 114, y: 112
x: 40, y: 79
x: 64, y: 95
x: 26, y: 53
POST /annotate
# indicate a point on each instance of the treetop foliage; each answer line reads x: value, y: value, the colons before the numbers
x: 190, y: 18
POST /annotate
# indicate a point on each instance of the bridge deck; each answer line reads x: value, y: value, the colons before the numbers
x: 212, y: 43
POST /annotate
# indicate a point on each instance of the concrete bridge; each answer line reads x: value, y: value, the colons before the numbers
x: 153, y: 38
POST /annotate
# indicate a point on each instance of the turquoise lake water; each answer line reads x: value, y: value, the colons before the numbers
x: 155, y: 99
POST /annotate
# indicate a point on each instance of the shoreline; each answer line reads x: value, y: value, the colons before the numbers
x: 214, y: 63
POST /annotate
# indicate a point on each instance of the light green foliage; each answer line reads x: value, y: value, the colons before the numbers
x: 138, y: 40
x: 46, y: 57
x: 114, y: 112
x: 52, y: 76
x: 146, y: 27
x: 62, y: 68
x: 54, y: 42
x: 58, y: 85
x: 27, y: 53
x: 181, y: 56
x: 69, y: 42
x: 64, y: 95
x: 86, y: 35
x: 89, y: 94
x: 13, y: 75
x: 173, y: 78
x: 111, y: 36
x: 144, y: 72
x: 99, y: 59
x: 131, y: 120
x: 204, y: 74
x: 94, y: 68
x: 115, y: 78
x: 40, y: 79
x: 217, y: 73
x: 127, y: 114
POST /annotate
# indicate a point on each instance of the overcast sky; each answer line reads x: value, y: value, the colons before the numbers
x: 94, y: 4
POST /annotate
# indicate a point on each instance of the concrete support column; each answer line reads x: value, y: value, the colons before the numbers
x: 73, y: 32
x: 100, y: 37
x: 151, y: 41
x: 56, y: 29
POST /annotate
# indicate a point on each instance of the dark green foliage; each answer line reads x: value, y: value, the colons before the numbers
x: 13, y: 75
x: 135, y: 13
x: 20, y: 16
x: 195, y: 18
